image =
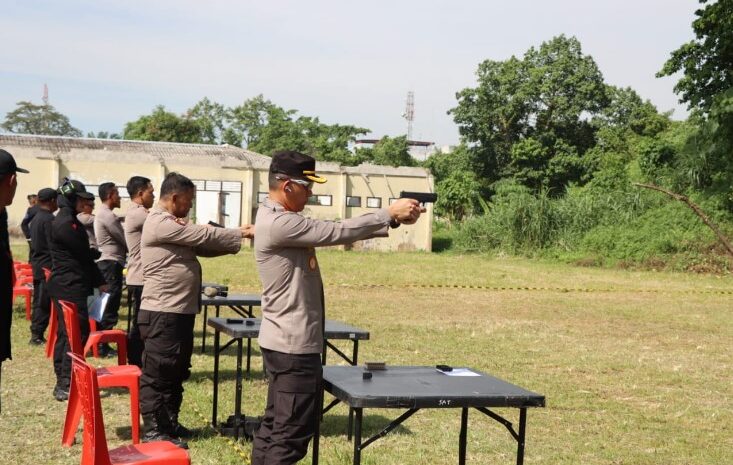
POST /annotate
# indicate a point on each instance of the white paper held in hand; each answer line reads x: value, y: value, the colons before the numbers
x: 96, y: 310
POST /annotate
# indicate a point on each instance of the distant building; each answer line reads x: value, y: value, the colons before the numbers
x: 419, y: 150
x: 231, y: 182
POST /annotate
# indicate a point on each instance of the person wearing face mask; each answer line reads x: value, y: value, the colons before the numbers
x: 293, y: 309
x: 74, y: 275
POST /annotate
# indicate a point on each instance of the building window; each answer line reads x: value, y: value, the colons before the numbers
x: 392, y: 200
x: 374, y: 202
x: 353, y: 201
x: 322, y: 200
x: 261, y: 196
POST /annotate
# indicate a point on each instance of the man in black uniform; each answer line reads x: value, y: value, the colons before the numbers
x: 40, y: 259
x: 8, y: 184
x: 25, y: 225
x: 73, y: 275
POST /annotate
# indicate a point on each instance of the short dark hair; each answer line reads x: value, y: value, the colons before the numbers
x: 137, y: 184
x: 105, y: 190
x: 274, y: 180
x: 175, y: 183
x: 30, y: 196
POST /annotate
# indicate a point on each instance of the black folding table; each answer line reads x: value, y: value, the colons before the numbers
x: 415, y: 388
x: 241, y: 304
x: 248, y: 328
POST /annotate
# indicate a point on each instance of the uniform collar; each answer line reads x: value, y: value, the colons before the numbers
x: 275, y: 206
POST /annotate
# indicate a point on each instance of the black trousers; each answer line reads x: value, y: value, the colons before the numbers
x: 168, y: 339
x: 135, y: 344
x: 290, y: 414
x: 61, y: 361
x: 112, y: 272
x: 41, y: 308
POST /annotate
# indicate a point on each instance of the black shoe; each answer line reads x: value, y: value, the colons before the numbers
x: 106, y: 351
x: 61, y: 394
x: 155, y: 435
x: 37, y: 340
x: 180, y: 431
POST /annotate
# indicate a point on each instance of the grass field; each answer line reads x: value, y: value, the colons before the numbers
x: 636, y: 366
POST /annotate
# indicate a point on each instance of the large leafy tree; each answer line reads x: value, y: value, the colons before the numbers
x: 529, y: 118
x: 707, y: 61
x: 162, y: 125
x: 210, y: 117
x: 29, y: 118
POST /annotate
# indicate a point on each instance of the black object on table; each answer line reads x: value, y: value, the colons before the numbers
x: 415, y: 388
x: 241, y: 304
x: 249, y: 328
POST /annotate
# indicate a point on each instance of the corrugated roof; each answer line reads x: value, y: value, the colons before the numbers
x: 175, y: 150
x: 58, y: 144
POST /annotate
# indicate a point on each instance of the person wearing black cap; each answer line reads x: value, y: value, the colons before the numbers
x: 25, y: 225
x: 293, y: 310
x: 8, y: 185
x: 40, y: 232
x: 73, y: 275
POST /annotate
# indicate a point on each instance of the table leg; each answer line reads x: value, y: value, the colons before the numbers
x: 203, y: 330
x: 357, y: 437
x: 238, y: 392
x: 520, y: 440
x: 462, y: 437
x: 249, y: 354
x: 355, y: 361
x: 216, y: 379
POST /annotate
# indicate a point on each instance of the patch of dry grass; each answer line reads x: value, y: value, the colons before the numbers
x: 630, y: 377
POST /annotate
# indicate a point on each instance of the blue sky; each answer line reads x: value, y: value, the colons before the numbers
x: 108, y: 62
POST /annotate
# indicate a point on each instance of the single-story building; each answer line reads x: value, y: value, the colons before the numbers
x: 231, y: 182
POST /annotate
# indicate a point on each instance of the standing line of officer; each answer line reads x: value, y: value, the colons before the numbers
x: 111, y: 243
x: 74, y: 274
x: 40, y: 233
x: 142, y: 196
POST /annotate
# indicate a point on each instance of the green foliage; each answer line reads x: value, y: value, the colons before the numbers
x: 707, y: 61
x: 28, y: 118
x: 103, y: 135
x: 528, y: 119
x: 392, y: 151
x: 162, y: 125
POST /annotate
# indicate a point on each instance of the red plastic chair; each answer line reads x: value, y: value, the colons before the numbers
x: 127, y: 376
x: 24, y: 287
x: 94, y: 451
x: 52, y: 322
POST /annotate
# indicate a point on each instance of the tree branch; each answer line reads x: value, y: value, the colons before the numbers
x: 684, y: 199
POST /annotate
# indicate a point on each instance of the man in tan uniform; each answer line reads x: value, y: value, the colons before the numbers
x: 170, y: 301
x: 141, y: 191
x: 293, y: 315
x: 111, y: 242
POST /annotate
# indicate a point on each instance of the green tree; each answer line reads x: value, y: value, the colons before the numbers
x: 28, y: 118
x: 528, y: 119
x: 162, y: 125
x: 210, y: 118
x: 392, y: 151
x: 103, y: 135
x: 707, y: 61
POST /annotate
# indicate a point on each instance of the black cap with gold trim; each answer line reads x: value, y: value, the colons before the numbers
x: 295, y: 165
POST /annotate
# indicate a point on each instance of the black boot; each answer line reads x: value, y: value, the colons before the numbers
x: 159, y: 431
x: 178, y: 430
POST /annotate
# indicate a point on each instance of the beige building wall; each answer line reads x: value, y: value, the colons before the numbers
x: 94, y: 161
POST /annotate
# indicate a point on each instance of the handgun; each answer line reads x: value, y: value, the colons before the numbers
x: 422, y: 197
